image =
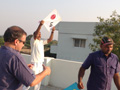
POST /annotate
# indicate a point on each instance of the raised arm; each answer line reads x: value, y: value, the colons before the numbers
x: 80, y: 77
x: 51, y: 36
x: 117, y: 80
x: 37, y: 32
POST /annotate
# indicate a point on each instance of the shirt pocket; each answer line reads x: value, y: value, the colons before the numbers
x: 99, y: 69
x: 112, y: 69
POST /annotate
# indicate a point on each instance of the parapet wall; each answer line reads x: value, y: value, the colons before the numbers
x: 63, y: 72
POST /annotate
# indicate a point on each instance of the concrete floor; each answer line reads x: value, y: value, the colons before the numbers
x: 49, y: 88
x: 46, y: 88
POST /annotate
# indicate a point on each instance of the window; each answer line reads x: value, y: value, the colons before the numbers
x: 79, y: 42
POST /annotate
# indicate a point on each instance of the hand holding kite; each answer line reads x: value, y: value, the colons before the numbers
x: 52, y: 19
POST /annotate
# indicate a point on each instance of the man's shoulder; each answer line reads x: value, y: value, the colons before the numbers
x: 10, y: 54
x: 114, y: 55
x: 9, y: 51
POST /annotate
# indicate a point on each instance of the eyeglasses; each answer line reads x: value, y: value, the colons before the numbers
x: 22, y: 41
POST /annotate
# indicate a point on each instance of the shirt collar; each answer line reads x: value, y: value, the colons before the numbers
x: 102, y: 54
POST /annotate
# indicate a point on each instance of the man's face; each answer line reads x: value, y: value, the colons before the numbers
x: 38, y: 36
x: 20, y: 43
x: 107, y: 49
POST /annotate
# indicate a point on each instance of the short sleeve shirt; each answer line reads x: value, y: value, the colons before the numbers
x: 102, y: 70
x: 37, y: 50
x: 13, y: 70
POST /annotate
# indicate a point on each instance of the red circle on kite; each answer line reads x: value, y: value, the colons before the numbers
x: 53, y: 16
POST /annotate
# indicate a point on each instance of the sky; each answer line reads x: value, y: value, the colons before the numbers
x: 28, y: 13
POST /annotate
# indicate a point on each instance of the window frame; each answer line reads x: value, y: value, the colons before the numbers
x: 79, y: 42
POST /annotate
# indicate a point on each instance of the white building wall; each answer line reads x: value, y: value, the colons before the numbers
x: 66, y: 32
x: 66, y: 49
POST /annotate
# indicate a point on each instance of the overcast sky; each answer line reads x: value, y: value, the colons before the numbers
x: 27, y: 13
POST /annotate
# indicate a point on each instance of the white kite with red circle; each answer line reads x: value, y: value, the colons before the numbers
x: 52, y: 20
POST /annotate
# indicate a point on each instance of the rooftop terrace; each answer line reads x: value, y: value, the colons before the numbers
x: 63, y: 74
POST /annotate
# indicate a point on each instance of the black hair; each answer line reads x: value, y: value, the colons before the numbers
x: 12, y: 33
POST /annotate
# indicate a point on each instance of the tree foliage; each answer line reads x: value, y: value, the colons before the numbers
x: 107, y: 27
x: 27, y: 44
x: 1, y: 41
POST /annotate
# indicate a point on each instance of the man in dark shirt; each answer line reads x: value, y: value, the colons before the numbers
x: 104, y: 67
x: 13, y: 69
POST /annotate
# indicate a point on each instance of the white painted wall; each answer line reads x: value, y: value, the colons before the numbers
x: 66, y: 49
x: 64, y: 72
x: 66, y: 32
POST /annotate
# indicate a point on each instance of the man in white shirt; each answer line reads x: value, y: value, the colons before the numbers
x: 37, y: 53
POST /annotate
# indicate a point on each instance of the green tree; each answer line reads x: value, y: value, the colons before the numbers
x: 27, y: 44
x: 107, y: 27
x: 1, y: 41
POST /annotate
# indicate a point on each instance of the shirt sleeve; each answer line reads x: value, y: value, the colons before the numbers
x: 118, y: 66
x: 22, y: 72
x: 88, y: 62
